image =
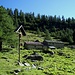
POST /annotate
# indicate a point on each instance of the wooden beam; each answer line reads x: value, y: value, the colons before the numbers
x: 19, y: 46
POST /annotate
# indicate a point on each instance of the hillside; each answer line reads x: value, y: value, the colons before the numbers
x: 41, y: 27
x: 61, y: 62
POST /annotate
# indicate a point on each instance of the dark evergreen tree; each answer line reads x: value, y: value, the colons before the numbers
x: 63, y: 23
x: 50, y: 22
x: 38, y: 31
x: 59, y: 23
x: 10, y: 12
x: 22, y: 19
x: 74, y: 36
x: 47, y: 35
x: 16, y: 17
x: 6, y: 24
x: 58, y: 26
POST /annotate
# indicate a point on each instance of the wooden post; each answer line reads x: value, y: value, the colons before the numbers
x: 20, y: 30
x: 19, y: 47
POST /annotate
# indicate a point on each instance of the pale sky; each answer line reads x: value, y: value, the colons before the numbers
x: 44, y: 7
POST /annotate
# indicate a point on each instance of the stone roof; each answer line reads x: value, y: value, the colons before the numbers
x: 34, y: 43
x: 53, y: 41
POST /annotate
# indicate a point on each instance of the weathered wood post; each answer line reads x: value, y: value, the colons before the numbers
x: 20, y: 30
x: 19, y: 43
x: 19, y: 46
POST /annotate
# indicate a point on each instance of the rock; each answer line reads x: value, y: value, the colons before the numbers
x: 33, y: 66
x: 26, y: 64
x: 40, y: 68
x: 35, y: 56
x: 11, y: 72
x: 16, y: 71
x: 51, y: 53
x: 21, y: 64
x: 47, y: 51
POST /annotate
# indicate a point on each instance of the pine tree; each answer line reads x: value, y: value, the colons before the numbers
x: 74, y: 36
x: 47, y: 35
x: 6, y: 24
x: 16, y: 17
x: 38, y: 31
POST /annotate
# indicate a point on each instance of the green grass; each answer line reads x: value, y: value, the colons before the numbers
x: 32, y: 37
x: 52, y: 64
x: 56, y: 64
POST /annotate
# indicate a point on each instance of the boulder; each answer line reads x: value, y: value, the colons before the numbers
x: 16, y: 71
x: 35, y: 56
x: 40, y: 68
x: 33, y: 66
x: 26, y: 64
x: 49, y: 52
x: 21, y: 64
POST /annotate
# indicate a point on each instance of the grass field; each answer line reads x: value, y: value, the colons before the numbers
x: 57, y: 64
x: 62, y: 62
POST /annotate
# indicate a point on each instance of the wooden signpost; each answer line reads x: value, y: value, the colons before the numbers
x: 20, y: 30
x: 19, y: 47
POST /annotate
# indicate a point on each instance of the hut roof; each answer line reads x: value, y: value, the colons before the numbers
x: 21, y: 28
x: 53, y: 41
x: 34, y: 43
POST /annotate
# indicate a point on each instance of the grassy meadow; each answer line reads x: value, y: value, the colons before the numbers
x: 62, y: 62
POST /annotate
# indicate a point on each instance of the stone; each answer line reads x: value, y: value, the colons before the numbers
x: 35, y: 56
x: 40, y: 68
x: 33, y: 66
x: 26, y: 64
x: 21, y: 64
x: 49, y: 52
x: 16, y: 71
